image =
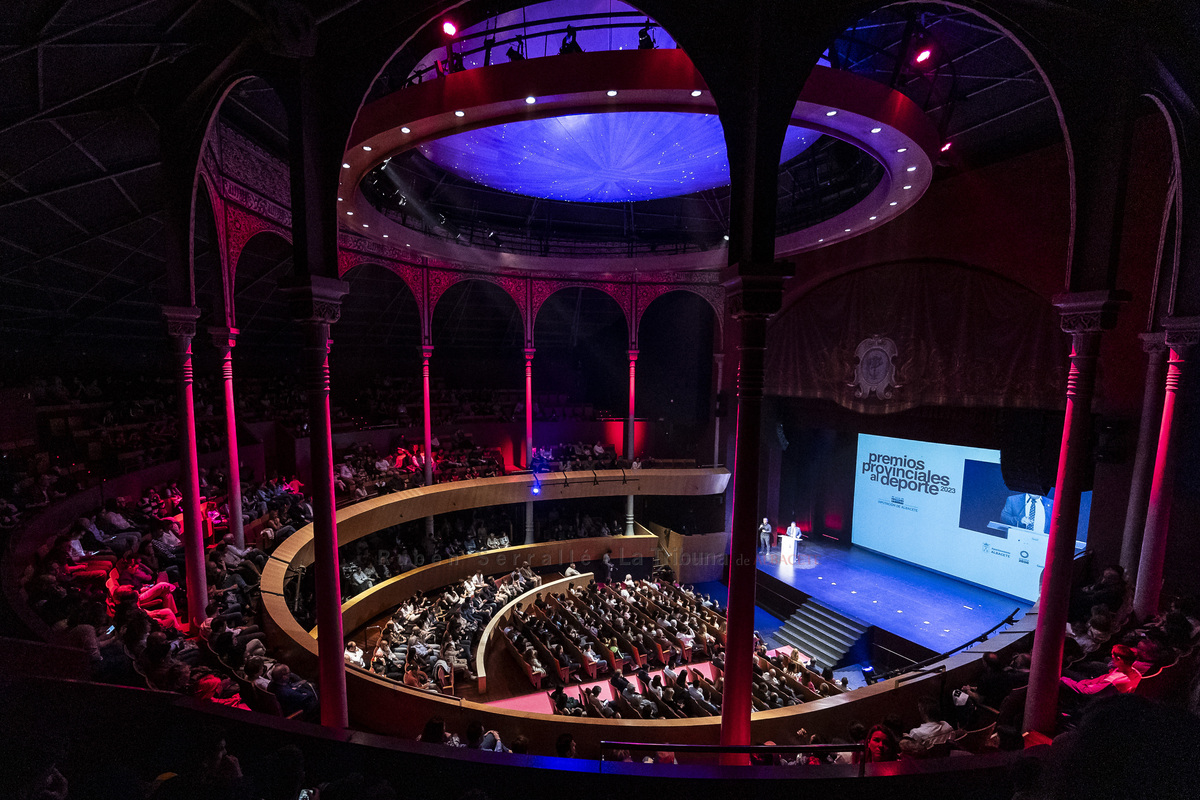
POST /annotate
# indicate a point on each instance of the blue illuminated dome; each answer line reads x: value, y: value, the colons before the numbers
x: 600, y: 158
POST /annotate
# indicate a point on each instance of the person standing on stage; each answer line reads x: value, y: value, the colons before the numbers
x: 764, y: 535
x: 793, y: 530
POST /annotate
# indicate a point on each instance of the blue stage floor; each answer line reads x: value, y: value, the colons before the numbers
x: 932, y: 610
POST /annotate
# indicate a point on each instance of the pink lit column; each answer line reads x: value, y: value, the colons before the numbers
x: 225, y: 339
x: 317, y: 304
x: 629, y: 435
x: 529, y: 353
x: 1143, y: 461
x: 1182, y: 335
x: 427, y: 418
x: 181, y: 326
x: 753, y: 298
x: 1083, y: 315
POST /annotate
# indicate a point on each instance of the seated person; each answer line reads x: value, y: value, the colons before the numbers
x: 1121, y: 679
x: 932, y: 730
x: 293, y: 692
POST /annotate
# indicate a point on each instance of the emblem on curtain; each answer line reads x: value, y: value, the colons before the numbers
x: 876, y: 370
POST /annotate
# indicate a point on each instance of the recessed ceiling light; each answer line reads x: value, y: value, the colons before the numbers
x: 874, y: 217
x: 367, y: 147
x: 365, y: 225
x: 385, y: 236
x: 460, y: 113
x: 847, y: 230
x: 945, y: 147
x: 349, y: 213
x: 909, y: 186
x: 531, y: 100
x: 612, y: 92
x: 695, y: 92
x: 820, y: 240
x: 345, y: 165
x: 405, y: 129
x: 831, y: 113
x: 911, y: 169
x: 902, y: 150
x: 893, y: 203
x: 339, y: 199
x: 408, y: 245
x: 876, y: 130
x: 727, y: 237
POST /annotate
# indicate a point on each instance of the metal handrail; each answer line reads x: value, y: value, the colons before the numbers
x: 855, y: 747
x: 1009, y: 620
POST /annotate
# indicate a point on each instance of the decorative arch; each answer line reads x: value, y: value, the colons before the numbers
x: 645, y: 294
x: 517, y: 288
x: 542, y: 290
x: 240, y: 227
x: 1172, y: 210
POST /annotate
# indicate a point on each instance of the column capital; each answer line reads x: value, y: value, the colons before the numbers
x: 426, y: 351
x: 181, y: 321
x: 757, y: 291
x: 1182, y: 334
x: 1089, y: 312
x: 719, y: 358
x: 633, y: 354
x: 224, y: 338
x: 529, y: 351
x: 1154, y: 343
x: 316, y: 299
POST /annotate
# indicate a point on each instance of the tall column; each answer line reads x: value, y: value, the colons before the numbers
x: 752, y: 298
x: 427, y: 412
x: 181, y: 326
x: 427, y: 417
x: 1182, y: 336
x: 629, y: 434
x: 317, y: 305
x: 1083, y: 315
x: 1143, y: 462
x: 719, y: 359
x: 225, y: 339
x: 529, y: 352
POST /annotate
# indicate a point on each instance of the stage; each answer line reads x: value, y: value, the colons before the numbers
x: 929, y: 609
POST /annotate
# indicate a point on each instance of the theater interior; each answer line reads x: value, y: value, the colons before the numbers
x: 492, y: 400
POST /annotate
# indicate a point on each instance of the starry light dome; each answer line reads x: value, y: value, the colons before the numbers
x: 599, y: 158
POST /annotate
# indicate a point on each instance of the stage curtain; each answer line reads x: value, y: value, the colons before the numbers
x: 963, y: 337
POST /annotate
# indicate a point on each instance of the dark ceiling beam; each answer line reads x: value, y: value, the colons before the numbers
x: 109, y: 176
x: 101, y: 236
x: 16, y: 123
x: 45, y: 40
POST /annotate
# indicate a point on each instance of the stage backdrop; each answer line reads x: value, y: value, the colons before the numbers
x: 899, y: 335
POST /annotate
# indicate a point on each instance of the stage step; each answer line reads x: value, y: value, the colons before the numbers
x: 822, y: 633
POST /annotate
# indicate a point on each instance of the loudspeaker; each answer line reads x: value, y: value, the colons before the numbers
x: 1029, y: 443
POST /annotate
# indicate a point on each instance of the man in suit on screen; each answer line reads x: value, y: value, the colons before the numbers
x: 1028, y: 511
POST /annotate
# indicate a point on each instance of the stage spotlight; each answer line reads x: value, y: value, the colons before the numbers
x: 537, y: 488
x: 868, y: 673
x: 923, y: 51
x: 449, y: 28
